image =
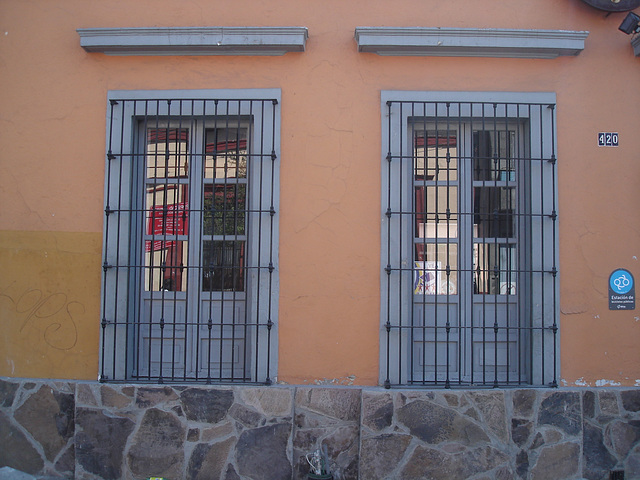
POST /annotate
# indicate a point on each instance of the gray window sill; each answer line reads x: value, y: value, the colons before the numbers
x: 194, y: 40
x: 469, y: 42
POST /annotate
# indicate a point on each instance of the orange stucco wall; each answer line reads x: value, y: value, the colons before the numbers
x: 52, y: 131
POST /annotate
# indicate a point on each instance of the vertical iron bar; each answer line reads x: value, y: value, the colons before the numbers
x: 554, y: 216
x: 260, y: 267
x: 448, y: 255
x: 110, y: 158
x: 542, y: 249
x: 401, y: 270
x: 271, y: 228
x: 387, y: 382
x: 248, y: 206
x: 118, y: 269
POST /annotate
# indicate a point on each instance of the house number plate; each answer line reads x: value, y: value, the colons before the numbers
x: 608, y: 139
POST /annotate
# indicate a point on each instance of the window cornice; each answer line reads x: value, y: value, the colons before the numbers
x: 469, y: 42
x: 194, y: 40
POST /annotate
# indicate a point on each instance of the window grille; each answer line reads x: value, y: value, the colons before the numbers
x: 469, y: 283
x: 190, y: 253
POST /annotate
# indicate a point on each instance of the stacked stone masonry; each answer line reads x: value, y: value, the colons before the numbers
x: 88, y: 431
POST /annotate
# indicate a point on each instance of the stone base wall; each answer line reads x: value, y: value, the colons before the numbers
x: 98, y: 431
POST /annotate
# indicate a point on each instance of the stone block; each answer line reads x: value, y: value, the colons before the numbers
x: 99, y: 442
x: 523, y: 403
x: 589, y: 404
x: 206, y: 405
x: 521, y: 431
x: 562, y: 410
x: 113, y: 399
x: 7, y: 393
x: 557, y: 461
x: 247, y: 417
x: 85, y: 395
x: 377, y: 410
x: 153, y: 396
x: 48, y: 416
x: 17, y: 452
x: 609, y: 403
x: 381, y: 455
x: 340, y: 403
x: 209, y: 460
x: 631, y: 400
x: 492, y: 407
x: 427, y: 462
x: 271, y: 402
x: 261, y: 453
x: 597, y: 458
x: 435, y: 424
x: 623, y: 436
x: 157, y: 448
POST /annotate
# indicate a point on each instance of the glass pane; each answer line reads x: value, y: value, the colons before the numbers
x: 164, y: 263
x: 167, y: 210
x: 494, y: 155
x: 435, y: 155
x: 495, y: 269
x: 226, y: 153
x: 436, y: 211
x: 494, y: 212
x: 223, y: 266
x: 224, y: 209
x: 167, y: 152
x: 430, y: 269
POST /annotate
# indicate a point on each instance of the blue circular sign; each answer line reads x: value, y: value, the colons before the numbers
x: 621, y: 281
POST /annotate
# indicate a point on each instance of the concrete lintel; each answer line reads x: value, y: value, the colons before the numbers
x: 469, y: 42
x: 194, y: 40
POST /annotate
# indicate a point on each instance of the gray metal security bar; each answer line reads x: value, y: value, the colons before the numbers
x: 189, y: 252
x: 470, y: 244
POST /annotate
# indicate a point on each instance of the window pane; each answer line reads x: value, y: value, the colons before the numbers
x: 223, y: 266
x: 436, y: 211
x: 164, y: 263
x: 436, y: 269
x: 226, y: 153
x: 224, y: 209
x: 167, y: 152
x: 166, y: 210
x: 494, y: 212
x: 494, y: 269
x: 494, y: 157
x: 435, y: 155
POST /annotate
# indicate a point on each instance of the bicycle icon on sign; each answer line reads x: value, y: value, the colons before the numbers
x: 621, y: 282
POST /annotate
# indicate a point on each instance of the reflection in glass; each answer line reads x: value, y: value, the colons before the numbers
x: 223, y: 266
x: 167, y: 219
x: 436, y: 211
x: 494, y: 211
x: 494, y: 155
x: 164, y: 263
x: 224, y: 209
x: 167, y: 210
x: 226, y: 153
x: 435, y: 269
x: 494, y: 269
x: 167, y: 152
x: 435, y: 155
x: 435, y: 175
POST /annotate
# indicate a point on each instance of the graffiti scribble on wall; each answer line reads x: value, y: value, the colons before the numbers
x: 52, y: 314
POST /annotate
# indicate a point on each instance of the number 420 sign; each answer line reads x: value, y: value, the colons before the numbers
x: 608, y: 139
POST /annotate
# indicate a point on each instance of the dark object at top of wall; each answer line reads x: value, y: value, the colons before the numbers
x: 613, y: 5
